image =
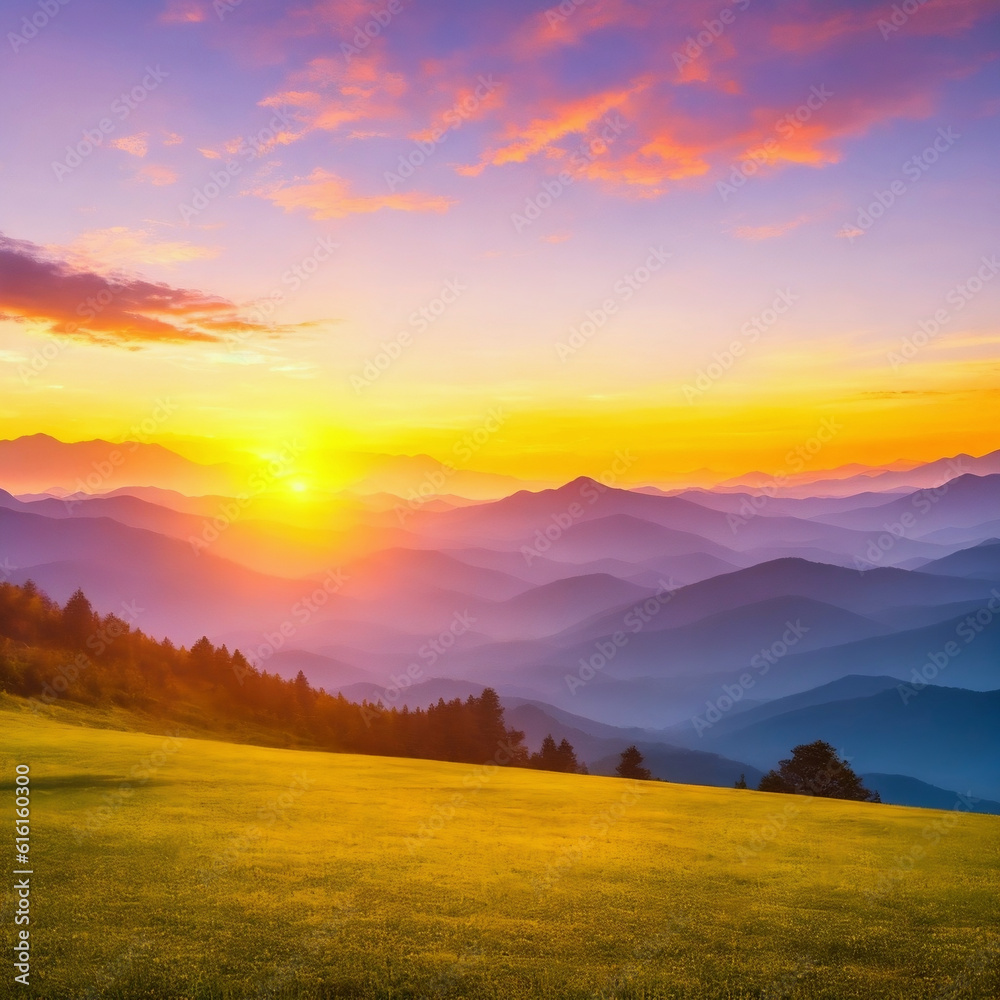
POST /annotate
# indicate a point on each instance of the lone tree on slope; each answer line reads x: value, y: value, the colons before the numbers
x: 815, y: 769
x: 630, y: 766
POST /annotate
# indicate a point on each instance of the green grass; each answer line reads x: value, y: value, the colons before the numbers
x: 239, y: 871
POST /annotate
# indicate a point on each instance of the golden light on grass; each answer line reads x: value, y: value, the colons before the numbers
x: 303, y: 874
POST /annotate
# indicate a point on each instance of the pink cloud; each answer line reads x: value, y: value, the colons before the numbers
x: 769, y: 232
x: 136, y: 145
x: 184, y: 12
x: 324, y: 195
x: 157, y: 175
x: 541, y: 132
x: 41, y: 287
x: 687, y: 123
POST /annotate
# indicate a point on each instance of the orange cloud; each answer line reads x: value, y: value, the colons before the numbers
x: 934, y: 17
x: 569, y: 22
x: 687, y: 120
x: 158, y: 175
x: 326, y: 196
x: 120, y: 246
x: 136, y: 144
x: 542, y: 132
x: 183, y: 12
x: 37, y: 286
x: 811, y: 35
x: 769, y: 232
x: 468, y: 103
x: 332, y: 92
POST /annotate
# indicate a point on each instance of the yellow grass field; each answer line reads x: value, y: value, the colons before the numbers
x: 228, y: 871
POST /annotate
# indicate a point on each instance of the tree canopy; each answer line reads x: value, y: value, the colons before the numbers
x: 815, y: 769
x: 48, y: 653
x: 631, y: 765
x: 556, y: 758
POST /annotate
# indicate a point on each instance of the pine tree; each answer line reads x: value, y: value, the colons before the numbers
x: 78, y: 621
x: 202, y: 657
x: 490, y: 727
x: 567, y: 757
x: 630, y: 765
x: 742, y: 783
x: 547, y: 759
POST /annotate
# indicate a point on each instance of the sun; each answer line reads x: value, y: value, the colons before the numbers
x: 297, y: 486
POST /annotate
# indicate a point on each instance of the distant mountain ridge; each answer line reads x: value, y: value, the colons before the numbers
x: 597, y: 605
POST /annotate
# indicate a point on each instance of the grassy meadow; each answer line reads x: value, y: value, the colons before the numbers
x: 229, y: 871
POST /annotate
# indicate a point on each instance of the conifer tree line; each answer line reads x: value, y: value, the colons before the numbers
x: 49, y: 653
x: 557, y: 758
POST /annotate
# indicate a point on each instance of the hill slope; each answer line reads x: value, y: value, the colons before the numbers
x: 315, y: 875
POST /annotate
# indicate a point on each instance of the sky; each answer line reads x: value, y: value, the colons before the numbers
x: 695, y: 235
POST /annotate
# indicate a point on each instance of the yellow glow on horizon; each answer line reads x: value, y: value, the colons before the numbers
x: 752, y: 419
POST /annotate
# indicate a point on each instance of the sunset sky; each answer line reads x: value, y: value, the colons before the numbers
x: 560, y: 220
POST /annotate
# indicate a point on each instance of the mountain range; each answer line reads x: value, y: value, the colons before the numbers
x: 785, y: 616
